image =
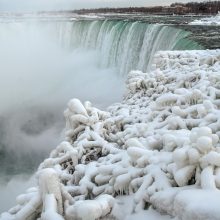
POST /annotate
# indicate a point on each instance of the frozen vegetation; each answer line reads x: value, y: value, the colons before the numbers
x: 215, y: 20
x: 158, y: 149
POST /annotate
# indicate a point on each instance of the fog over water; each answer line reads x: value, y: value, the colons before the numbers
x: 38, y: 76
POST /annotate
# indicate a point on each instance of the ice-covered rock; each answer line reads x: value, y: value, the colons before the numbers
x: 160, y: 146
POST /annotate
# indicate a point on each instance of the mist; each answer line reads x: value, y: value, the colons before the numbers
x: 39, y: 73
x: 19, y: 184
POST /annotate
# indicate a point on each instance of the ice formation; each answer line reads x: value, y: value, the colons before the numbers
x: 215, y: 20
x: 160, y: 146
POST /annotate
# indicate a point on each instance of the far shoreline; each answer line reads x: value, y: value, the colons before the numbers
x: 207, y: 8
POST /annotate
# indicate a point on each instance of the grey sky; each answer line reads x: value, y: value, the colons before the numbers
x: 8, y: 5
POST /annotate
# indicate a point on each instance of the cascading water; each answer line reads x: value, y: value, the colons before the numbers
x: 124, y: 44
x: 43, y: 64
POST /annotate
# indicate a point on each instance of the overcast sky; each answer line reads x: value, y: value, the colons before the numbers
x: 8, y: 5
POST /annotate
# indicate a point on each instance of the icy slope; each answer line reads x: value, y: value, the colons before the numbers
x: 215, y: 20
x: 160, y: 146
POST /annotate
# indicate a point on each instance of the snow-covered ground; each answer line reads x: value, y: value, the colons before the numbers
x: 215, y: 20
x: 157, y: 150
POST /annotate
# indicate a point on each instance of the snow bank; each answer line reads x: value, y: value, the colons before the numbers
x: 160, y: 146
x: 215, y: 20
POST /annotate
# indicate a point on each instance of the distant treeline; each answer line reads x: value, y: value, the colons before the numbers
x: 212, y: 7
x: 208, y: 7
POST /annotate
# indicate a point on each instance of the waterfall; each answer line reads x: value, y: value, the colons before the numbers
x: 124, y: 44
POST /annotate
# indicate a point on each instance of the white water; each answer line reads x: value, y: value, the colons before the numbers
x: 44, y: 64
x: 123, y: 44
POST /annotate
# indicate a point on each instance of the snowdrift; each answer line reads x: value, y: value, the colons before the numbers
x: 160, y: 146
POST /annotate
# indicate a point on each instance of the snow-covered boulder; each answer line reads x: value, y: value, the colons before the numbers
x: 159, y: 146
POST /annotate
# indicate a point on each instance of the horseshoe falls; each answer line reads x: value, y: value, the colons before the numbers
x: 45, y: 63
x: 124, y: 44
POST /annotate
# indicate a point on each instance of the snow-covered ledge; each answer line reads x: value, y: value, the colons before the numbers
x: 160, y: 146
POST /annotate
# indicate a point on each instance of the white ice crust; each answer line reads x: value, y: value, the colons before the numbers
x: 214, y: 21
x: 160, y: 147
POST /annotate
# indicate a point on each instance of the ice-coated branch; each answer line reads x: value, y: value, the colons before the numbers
x: 159, y: 143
